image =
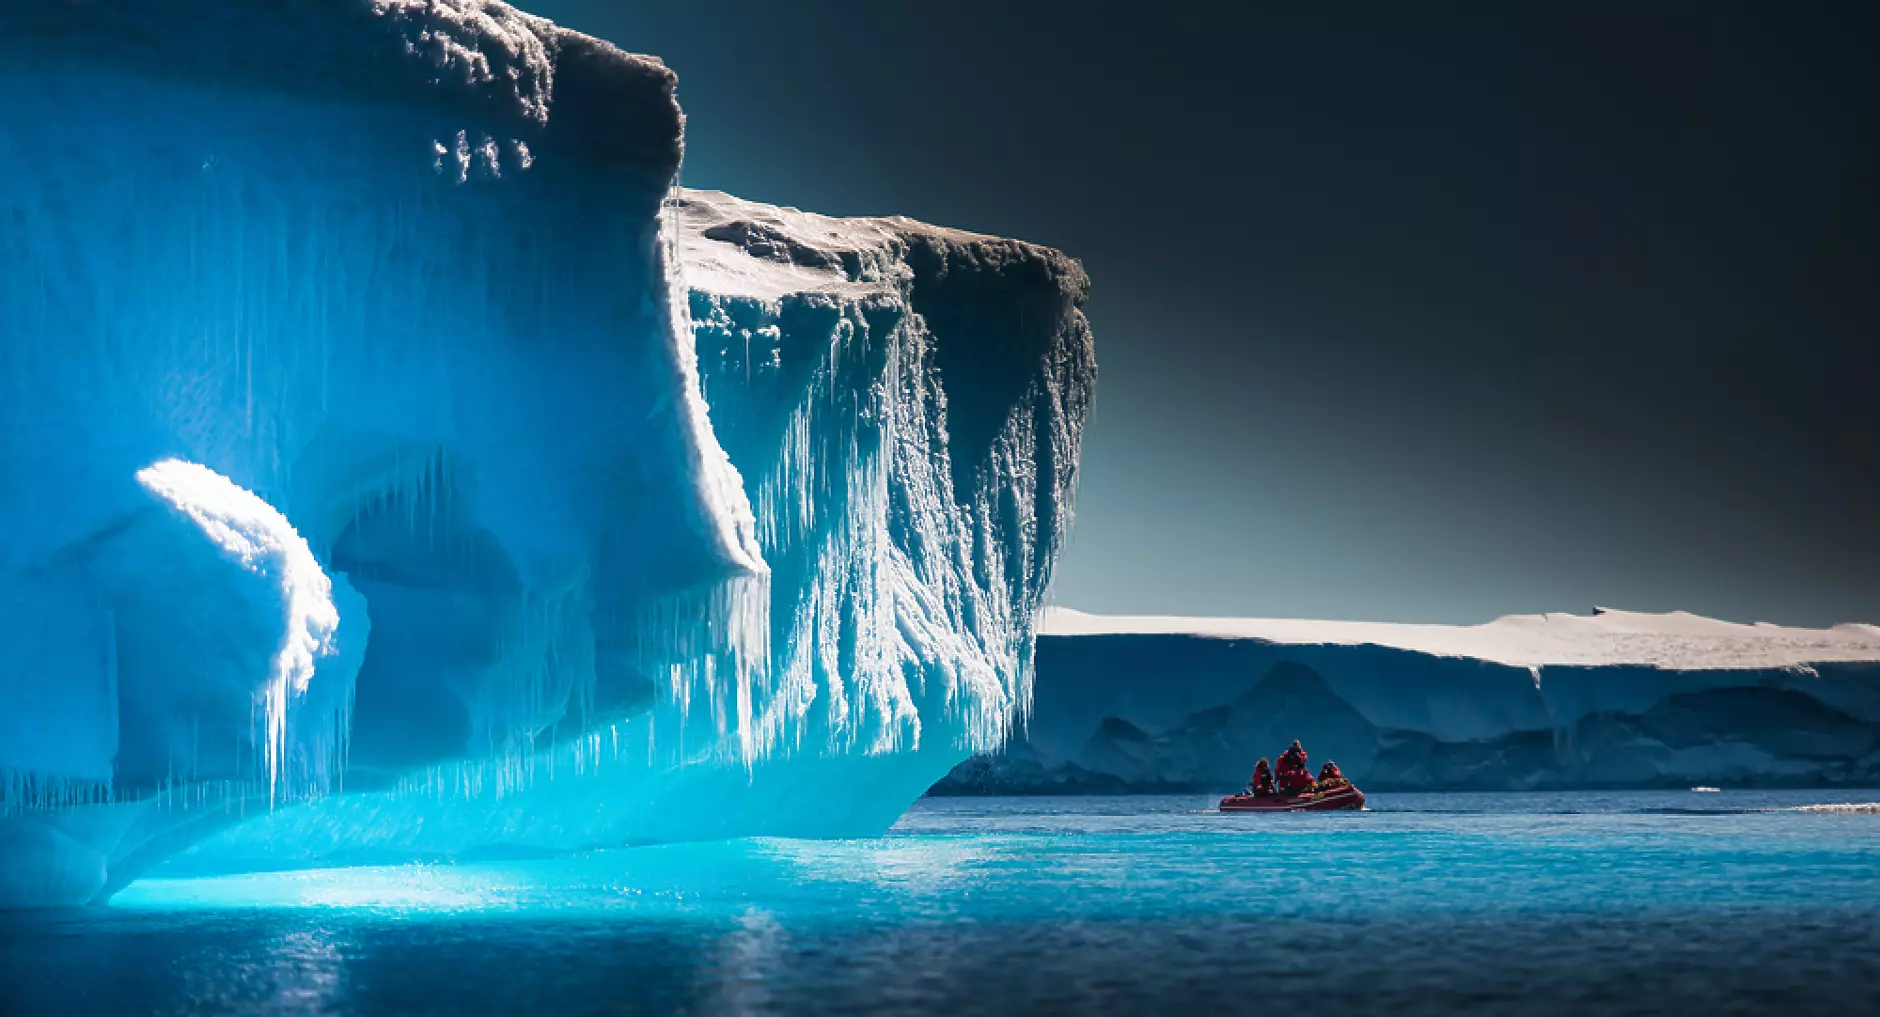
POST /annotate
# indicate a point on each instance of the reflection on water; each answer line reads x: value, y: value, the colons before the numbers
x: 1522, y: 904
x: 304, y: 969
x: 749, y: 960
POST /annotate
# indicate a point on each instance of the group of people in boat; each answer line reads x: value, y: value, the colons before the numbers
x: 1293, y: 777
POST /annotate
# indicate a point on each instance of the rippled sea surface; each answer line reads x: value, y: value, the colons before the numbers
x: 1662, y: 902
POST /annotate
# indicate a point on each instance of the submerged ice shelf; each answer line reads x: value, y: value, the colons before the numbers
x: 1614, y: 699
x: 506, y: 498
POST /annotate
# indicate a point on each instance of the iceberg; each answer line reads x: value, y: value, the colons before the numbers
x: 401, y: 466
x: 1615, y: 699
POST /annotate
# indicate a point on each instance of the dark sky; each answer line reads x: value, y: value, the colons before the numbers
x: 1405, y: 317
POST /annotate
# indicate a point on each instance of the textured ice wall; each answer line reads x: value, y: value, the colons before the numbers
x: 395, y: 276
x: 905, y: 403
x: 1660, y: 704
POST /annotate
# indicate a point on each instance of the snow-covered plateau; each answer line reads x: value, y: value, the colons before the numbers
x: 395, y: 464
x: 1614, y: 699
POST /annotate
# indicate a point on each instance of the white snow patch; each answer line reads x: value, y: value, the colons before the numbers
x: 811, y: 253
x: 253, y: 533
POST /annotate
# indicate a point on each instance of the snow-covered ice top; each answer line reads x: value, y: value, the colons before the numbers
x: 737, y: 248
x: 1676, y: 640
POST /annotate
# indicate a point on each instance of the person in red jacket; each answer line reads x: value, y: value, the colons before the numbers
x: 1331, y: 778
x: 1294, y: 777
x: 1262, y: 782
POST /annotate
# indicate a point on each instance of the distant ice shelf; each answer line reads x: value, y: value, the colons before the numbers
x: 1611, y: 699
x: 1676, y: 640
x: 400, y: 466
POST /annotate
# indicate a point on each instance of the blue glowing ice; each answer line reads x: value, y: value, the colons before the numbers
x: 399, y: 466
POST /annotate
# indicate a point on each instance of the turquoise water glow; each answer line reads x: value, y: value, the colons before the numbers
x: 1645, y: 902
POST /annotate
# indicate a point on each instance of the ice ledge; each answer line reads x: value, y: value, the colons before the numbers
x: 737, y: 248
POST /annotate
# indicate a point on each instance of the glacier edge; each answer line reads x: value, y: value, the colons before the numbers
x: 1614, y: 699
x: 601, y: 576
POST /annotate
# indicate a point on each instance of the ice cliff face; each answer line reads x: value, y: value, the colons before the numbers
x: 1616, y: 699
x: 904, y: 402
x: 396, y: 466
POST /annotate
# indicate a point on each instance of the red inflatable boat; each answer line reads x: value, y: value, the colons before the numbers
x: 1347, y: 797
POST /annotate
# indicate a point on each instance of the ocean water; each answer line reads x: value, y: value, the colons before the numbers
x: 1660, y: 902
